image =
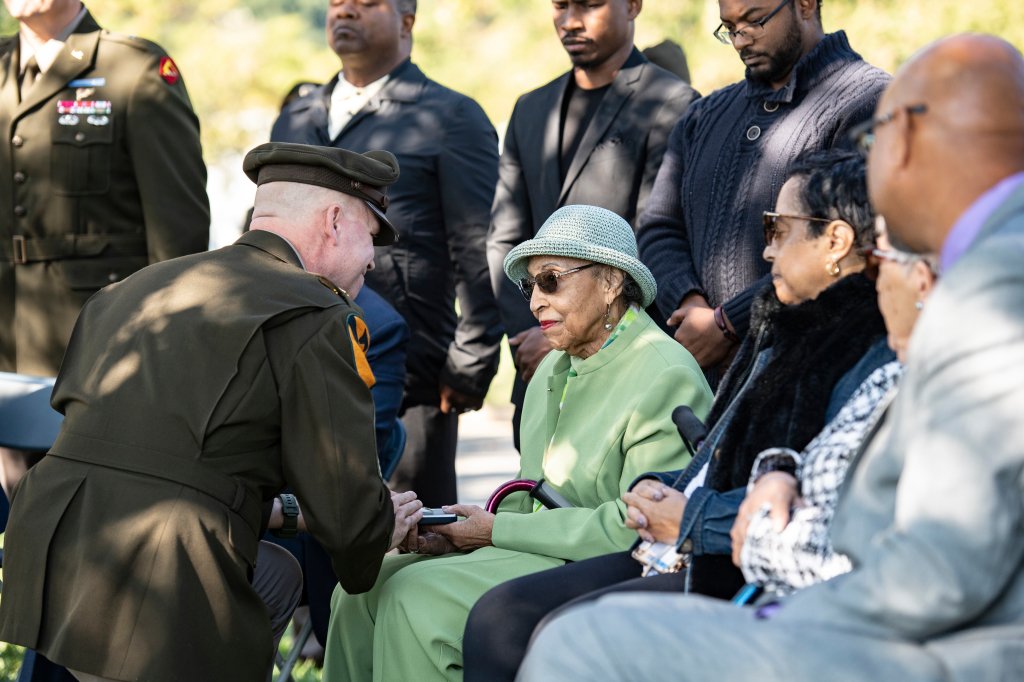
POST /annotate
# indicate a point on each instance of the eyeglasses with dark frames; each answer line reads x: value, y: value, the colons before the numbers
x: 751, y: 31
x: 863, y: 135
x: 547, y: 280
x: 770, y: 220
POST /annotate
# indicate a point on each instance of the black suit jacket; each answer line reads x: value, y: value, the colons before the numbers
x: 614, y: 167
x: 448, y: 154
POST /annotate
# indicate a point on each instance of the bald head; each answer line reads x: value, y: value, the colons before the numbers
x: 331, y: 231
x: 974, y: 85
x: 932, y: 162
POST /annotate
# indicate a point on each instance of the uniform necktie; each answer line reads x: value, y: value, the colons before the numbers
x: 29, y: 77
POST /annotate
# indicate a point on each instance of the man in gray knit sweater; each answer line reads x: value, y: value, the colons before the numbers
x: 700, y: 232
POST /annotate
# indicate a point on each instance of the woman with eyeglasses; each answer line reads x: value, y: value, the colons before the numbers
x: 597, y: 415
x: 781, y: 535
x: 815, y: 334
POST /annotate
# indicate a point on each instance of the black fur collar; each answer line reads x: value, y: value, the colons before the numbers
x: 812, y: 344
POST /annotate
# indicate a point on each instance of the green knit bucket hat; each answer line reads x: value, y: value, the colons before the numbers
x: 588, y: 233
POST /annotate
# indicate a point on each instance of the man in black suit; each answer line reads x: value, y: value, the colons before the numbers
x: 448, y: 153
x: 594, y: 135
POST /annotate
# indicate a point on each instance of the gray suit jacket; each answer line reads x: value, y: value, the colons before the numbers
x: 932, y: 515
x: 614, y: 166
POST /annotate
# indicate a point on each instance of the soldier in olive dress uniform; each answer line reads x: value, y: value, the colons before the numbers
x: 101, y: 173
x: 193, y: 392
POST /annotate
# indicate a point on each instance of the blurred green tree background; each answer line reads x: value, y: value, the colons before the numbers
x: 240, y: 57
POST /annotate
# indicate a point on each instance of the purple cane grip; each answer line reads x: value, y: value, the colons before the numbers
x: 506, y: 489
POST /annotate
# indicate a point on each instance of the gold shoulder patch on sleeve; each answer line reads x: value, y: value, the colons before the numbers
x: 360, y: 335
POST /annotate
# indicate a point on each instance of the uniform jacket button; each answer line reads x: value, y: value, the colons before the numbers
x: 20, y: 211
x: 771, y: 106
x: 20, y: 177
x: 753, y: 132
x: 17, y: 141
x: 79, y: 137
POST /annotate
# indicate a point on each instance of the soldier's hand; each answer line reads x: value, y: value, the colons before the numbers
x: 407, y: 515
x: 458, y: 402
x: 530, y: 347
x: 434, y: 544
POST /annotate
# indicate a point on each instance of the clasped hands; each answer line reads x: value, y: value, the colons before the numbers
x: 654, y: 510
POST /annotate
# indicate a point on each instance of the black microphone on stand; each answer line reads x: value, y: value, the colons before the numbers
x: 691, y: 429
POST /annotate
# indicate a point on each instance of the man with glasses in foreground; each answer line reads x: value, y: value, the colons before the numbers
x: 932, y: 510
x: 728, y: 156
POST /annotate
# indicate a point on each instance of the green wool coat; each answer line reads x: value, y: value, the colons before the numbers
x: 615, y: 424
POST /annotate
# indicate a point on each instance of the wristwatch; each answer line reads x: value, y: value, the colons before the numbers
x: 290, y: 511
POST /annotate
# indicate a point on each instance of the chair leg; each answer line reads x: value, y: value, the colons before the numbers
x: 285, y: 666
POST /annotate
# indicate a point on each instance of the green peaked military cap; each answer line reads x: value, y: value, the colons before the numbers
x: 365, y: 176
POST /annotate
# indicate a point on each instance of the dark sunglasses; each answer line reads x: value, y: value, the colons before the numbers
x: 771, y: 219
x: 547, y: 280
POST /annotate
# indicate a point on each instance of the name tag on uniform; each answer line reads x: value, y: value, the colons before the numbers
x: 97, y: 112
x: 87, y: 83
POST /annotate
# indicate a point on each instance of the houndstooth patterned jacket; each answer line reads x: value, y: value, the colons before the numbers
x: 802, y: 553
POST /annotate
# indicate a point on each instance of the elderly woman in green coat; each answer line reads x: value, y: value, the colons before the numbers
x: 597, y: 415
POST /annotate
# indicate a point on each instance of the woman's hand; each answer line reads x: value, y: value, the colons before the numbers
x: 780, y: 492
x: 472, y: 532
x: 654, y: 510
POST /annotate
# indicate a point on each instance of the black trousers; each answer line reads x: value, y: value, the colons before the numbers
x: 428, y: 465
x: 502, y: 622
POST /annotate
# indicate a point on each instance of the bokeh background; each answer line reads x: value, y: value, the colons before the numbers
x: 239, y: 58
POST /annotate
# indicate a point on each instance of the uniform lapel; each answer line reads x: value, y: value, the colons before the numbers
x: 77, y: 57
x: 620, y: 91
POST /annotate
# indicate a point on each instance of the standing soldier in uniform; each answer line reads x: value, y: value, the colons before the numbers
x: 193, y: 392
x: 101, y: 173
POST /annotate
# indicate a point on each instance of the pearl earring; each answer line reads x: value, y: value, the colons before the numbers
x: 919, y: 305
x: 832, y: 267
x: 608, y: 317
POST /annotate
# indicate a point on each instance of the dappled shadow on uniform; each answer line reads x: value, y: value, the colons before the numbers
x: 130, y: 595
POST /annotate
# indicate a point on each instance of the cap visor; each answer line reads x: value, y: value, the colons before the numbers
x: 387, y: 233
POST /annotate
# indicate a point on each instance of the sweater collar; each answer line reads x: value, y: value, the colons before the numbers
x: 832, y: 52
